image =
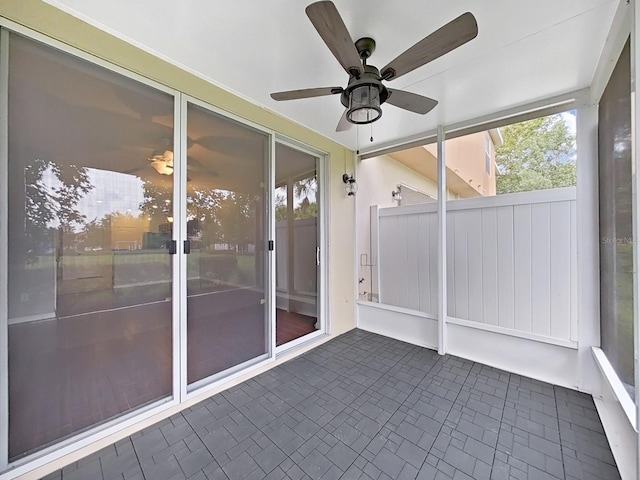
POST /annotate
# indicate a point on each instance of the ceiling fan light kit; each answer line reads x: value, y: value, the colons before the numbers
x: 364, y: 97
x: 163, y: 163
x: 365, y: 92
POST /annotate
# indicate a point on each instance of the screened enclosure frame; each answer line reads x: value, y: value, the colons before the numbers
x: 587, y: 231
x: 585, y: 103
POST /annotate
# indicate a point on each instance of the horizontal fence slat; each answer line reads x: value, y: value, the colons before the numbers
x: 512, y: 199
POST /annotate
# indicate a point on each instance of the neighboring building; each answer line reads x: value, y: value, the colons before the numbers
x: 471, y: 166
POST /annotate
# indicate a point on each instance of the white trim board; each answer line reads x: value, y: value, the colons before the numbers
x: 617, y: 388
x: 619, y: 431
x: 513, y: 333
x: 402, y: 324
x: 530, y: 358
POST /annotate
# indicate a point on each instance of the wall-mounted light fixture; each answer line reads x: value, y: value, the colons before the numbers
x: 397, y: 195
x: 350, y: 185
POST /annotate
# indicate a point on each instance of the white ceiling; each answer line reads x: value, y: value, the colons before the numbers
x: 525, y: 51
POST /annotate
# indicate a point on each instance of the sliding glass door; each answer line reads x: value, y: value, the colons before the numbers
x: 140, y: 244
x: 297, y: 245
x: 90, y: 278
x: 103, y: 254
x: 227, y: 314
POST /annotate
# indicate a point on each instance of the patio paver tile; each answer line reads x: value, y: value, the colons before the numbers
x: 361, y: 407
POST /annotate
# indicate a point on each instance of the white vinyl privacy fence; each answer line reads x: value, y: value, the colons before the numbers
x: 511, y: 262
x: 299, y: 262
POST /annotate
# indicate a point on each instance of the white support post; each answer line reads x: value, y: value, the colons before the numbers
x: 4, y: 247
x: 588, y: 244
x: 374, y: 250
x: 354, y: 212
x: 442, y: 244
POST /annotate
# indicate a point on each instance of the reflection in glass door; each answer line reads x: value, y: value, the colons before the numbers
x: 89, y: 214
x: 297, y: 244
x: 227, y: 315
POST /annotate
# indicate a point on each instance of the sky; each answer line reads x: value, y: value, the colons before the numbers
x: 570, y: 119
x: 112, y: 192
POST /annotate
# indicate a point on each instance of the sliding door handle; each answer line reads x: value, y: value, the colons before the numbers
x: 172, y: 245
x: 187, y: 247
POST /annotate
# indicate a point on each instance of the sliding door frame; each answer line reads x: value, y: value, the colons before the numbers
x: 123, y: 421
x: 213, y: 382
x: 4, y: 249
x: 322, y: 162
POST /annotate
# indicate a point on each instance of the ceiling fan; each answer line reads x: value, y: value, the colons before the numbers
x: 365, y: 91
x: 162, y: 159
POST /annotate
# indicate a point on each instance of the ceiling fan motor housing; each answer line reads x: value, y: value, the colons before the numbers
x: 364, y: 95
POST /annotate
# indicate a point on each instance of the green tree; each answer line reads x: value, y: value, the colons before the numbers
x: 238, y: 219
x: 53, y: 192
x: 537, y: 154
x: 306, y: 191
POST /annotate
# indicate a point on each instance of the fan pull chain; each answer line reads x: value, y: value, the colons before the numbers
x: 371, y: 139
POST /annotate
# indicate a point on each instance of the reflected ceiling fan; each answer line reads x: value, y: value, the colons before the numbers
x: 161, y: 160
x: 365, y: 91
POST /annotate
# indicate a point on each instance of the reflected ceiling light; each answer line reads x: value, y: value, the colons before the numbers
x: 163, y: 162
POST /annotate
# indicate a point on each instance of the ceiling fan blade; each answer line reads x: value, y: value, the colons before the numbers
x: 331, y: 27
x: 344, y: 124
x: 448, y: 37
x: 135, y: 170
x: 411, y: 101
x: 306, y: 93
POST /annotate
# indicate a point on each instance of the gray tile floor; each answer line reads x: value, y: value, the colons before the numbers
x: 363, y: 406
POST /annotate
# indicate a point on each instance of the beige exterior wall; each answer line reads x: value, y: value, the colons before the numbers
x: 377, y: 178
x: 466, y: 173
x: 466, y: 159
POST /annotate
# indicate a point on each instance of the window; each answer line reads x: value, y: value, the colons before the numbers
x: 487, y: 152
x: 616, y: 213
x: 412, y: 196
